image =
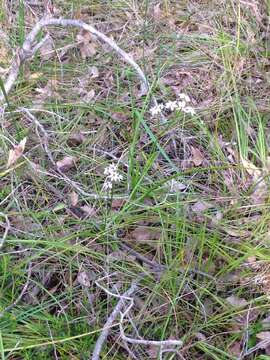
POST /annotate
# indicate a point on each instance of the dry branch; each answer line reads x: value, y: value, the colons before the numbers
x: 7, y: 228
x: 106, y: 329
x: 29, y: 48
x: 164, y: 345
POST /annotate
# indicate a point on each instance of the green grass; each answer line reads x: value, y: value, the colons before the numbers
x: 217, y: 54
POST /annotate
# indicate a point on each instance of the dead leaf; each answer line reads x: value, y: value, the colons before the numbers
x: 251, y: 169
x: 77, y: 212
x: 89, y: 96
x: 236, y: 301
x: 139, y: 53
x: 47, y: 92
x: 200, y: 336
x: 153, y: 352
x: 236, y: 232
x: 74, y: 198
x: 246, y: 314
x: 67, y: 163
x: 260, y: 191
x: 119, y: 116
x: 88, y: 210
x: 235, y: 349
x: 35, y: 76
x: 83, y: 279
x: 94, y: 72
x: 144, y: 233
x: 87, y: 45
x: 177, y: 186
x: 200, y: 206
x: 157, y: 12
x: 16, y: 153
x: 264, y: 335
x: 119, y: 256
x: 197, y: 156
x: 47, y: 50
x: 76, y: 139
x: 217, y: 218
x: 24, y: 223
x: 118, y: 203
x: 264, y: 344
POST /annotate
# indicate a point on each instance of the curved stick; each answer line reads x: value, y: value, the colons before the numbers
x: 106, y: 329
x: 28, y: 49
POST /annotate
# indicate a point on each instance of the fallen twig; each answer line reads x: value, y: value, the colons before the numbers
x: 106, y: 329
x: 164, y: 345
x: 159, y: 343
x: 142, y: 258
x: 160, y: 267
x: 29, y: 48
x: 7, y: 228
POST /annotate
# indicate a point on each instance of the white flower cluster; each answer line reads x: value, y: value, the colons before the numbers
x: 181, y: 105
x: 112, y: 176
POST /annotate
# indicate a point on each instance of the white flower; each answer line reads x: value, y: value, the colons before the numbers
x: 189, y: 110
x: 116, y: 177
x: 174, y: 105
x: 155, y: 110
x: 107, y: 185
x: 184, y: 97
x: 111, y: 169
x: 181, y: 105
x: 171, y: 105
x: 112, y: 176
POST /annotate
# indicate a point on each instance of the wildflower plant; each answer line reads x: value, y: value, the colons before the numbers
x: 112, y: 176
x: 181, y: 105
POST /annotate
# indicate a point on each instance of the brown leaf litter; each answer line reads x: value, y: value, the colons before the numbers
x: 16, y: 153
x: 76, y: 139
x: 197, y: 156
x: 145, y: 234
x: 259, y: 186
x: 65, y: 164
x: 86, y: 44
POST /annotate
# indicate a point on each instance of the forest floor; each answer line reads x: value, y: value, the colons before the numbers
x: 103, y: 193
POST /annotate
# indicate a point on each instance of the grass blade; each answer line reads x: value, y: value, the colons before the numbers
x: 2, y: 352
